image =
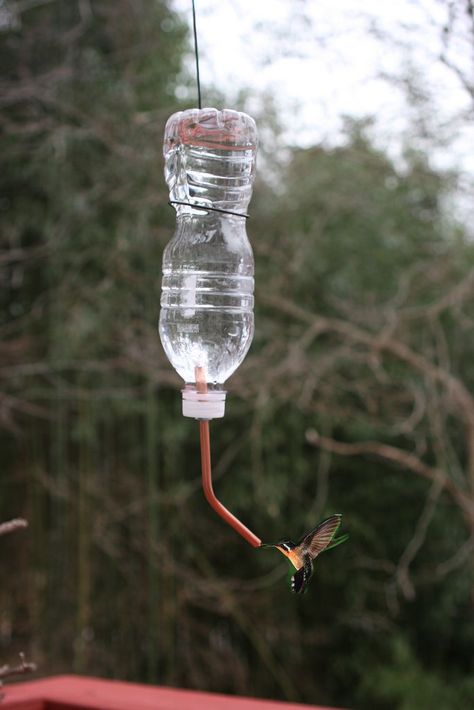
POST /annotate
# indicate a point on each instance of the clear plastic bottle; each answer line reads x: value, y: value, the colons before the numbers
x: 206, y: 318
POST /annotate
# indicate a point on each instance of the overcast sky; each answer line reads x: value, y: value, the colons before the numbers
x: 321, y: 59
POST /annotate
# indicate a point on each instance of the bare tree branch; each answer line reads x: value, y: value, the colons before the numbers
x: 386, y: 342
x: 400, y: 457
x: 23, y: 667
x: 12, y: 525
x: 8, y: 671
x: 448, y: 566
x: 402, y: 573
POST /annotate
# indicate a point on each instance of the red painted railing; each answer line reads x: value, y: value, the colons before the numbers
x: 76, y: 693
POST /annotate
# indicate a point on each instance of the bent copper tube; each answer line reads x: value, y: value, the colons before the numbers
x: 220, y: 509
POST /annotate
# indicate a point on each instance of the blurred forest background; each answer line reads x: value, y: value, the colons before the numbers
x: 356, y: 396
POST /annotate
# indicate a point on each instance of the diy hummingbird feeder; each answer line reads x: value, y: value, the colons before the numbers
x: 206, y: 319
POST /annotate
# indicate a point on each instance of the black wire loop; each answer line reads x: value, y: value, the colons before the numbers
x: 210, y: 209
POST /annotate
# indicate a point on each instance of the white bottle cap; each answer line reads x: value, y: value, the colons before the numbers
x: 203, y: 405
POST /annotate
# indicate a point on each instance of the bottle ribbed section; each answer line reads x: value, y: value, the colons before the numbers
x: 206, y: 318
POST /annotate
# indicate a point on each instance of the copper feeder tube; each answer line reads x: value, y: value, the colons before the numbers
x: 226, y: 515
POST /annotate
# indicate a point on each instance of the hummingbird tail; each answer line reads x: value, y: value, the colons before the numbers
x: 301, y: 578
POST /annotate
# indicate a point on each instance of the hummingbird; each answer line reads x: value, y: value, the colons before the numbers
x: 302, y: 554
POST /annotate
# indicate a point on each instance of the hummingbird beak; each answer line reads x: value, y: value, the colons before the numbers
x: 276, y: 547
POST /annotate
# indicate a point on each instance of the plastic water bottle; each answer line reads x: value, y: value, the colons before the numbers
x: 206, y: 319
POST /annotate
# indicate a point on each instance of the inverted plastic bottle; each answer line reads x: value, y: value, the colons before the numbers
x: 206, y: 318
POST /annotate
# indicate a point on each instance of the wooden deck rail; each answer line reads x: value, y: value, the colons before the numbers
x: 79, y: 693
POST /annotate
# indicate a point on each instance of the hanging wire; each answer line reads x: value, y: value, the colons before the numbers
x: 196, y: 54
x: 198, y: 80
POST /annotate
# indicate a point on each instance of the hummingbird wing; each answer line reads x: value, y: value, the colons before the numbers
x: 337, y: 541
x: 321, y: 537
x: 301, y: 577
